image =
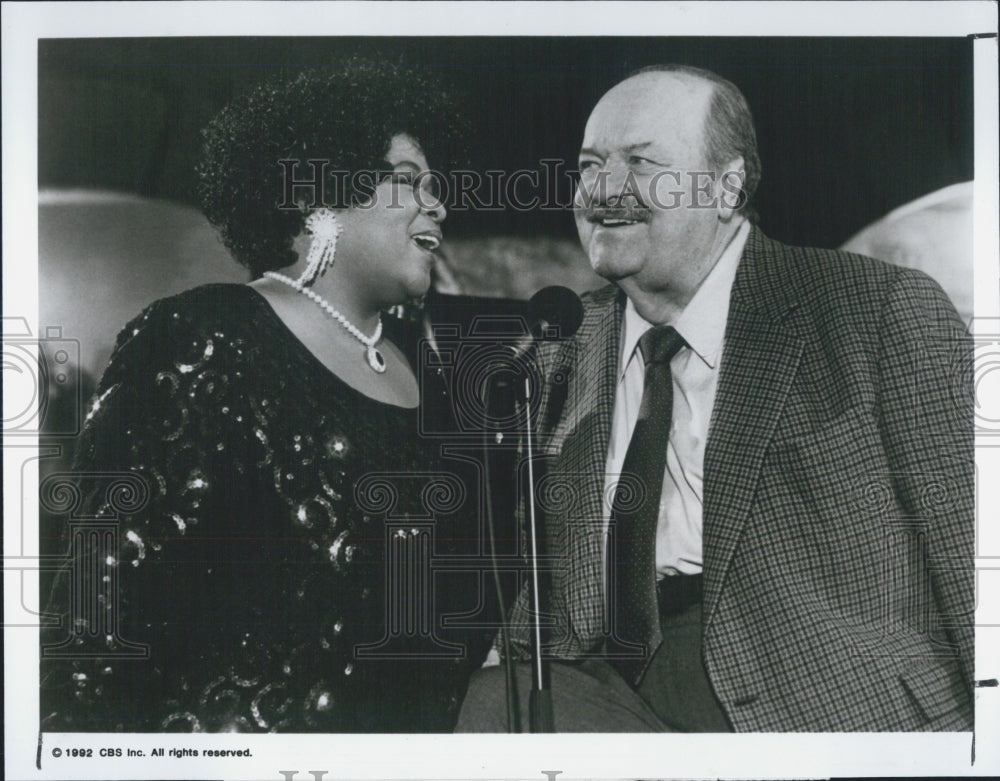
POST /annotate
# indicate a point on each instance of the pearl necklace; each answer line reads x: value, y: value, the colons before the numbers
x: 375, y: 359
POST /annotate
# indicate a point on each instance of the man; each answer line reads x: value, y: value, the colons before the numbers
x: 793, y: 549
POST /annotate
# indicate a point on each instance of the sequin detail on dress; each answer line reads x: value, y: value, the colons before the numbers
x: 250, y: 575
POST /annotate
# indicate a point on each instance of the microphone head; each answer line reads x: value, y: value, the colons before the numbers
x: 555, y: 307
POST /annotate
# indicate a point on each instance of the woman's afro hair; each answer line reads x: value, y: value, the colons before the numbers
x: 346, y: 116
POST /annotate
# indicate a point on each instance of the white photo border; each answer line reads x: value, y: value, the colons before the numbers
x: 459, y: 756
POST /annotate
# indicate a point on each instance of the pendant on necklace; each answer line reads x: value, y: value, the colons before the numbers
x: 375, y: 360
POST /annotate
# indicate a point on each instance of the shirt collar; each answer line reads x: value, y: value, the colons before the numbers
x: 703, y: 321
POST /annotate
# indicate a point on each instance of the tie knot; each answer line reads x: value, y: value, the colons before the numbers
x: 659, y: 344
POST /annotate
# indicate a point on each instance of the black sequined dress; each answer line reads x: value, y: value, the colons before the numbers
x: 249, y: 539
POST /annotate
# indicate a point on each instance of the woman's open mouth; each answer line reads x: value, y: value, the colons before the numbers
x: 428, y: 241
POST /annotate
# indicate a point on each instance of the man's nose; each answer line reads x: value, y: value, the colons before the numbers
x: 611, y: 184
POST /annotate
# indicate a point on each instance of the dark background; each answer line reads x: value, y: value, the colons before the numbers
x: 849, y: 128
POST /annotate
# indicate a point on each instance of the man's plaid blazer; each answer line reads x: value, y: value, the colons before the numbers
x: 838, y: 496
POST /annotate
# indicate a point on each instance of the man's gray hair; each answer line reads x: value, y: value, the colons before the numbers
x: 729, y: 128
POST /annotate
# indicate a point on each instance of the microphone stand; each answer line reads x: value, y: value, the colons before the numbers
x: 561, y: 309
x: 513, y: 709
x: 541, y: 718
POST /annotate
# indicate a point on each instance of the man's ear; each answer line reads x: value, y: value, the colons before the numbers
x: 729, y: 188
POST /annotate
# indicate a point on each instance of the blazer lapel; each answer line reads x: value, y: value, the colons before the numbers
x: 580, y: 445
x: 759, y: 362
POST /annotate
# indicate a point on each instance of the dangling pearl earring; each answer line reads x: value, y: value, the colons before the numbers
x: 325, y: 229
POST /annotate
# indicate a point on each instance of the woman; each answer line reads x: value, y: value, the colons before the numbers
x: 275, y: 428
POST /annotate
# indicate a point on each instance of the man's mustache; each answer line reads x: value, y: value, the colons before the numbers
x: 632, y: 212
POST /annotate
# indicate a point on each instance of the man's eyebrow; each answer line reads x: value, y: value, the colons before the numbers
x: 638, y: 147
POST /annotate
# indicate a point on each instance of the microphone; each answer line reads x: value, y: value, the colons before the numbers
x: 554, y: 312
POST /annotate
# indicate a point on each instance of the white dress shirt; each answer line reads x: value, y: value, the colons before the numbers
x: 695, y: 370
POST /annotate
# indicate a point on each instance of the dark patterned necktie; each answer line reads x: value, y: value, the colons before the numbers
x: 636, y: 508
